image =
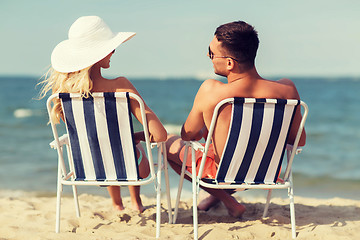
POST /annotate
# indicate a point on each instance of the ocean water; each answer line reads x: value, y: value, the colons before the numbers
x: 329, y: 165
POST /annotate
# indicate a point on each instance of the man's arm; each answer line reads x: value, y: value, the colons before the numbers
x: 194, y: 127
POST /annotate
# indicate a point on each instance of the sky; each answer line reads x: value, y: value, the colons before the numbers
x: 297, y: 38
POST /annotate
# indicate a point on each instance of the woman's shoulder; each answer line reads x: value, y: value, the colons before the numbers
x: 122, y: 84
x: 118, y: 84
x: 120, y: 79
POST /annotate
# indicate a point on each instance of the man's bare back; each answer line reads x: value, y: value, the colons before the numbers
x: 212, y: 92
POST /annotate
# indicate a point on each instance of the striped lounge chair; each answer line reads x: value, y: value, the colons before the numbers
x: 100, y: 146
x: 254, y: 150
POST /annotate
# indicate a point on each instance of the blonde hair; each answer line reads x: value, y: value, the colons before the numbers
x: 57, y: 82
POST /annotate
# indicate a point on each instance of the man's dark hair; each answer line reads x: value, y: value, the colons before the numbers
x: 240, y: 40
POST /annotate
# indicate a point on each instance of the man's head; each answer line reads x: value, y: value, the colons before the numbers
x: 239, y: 41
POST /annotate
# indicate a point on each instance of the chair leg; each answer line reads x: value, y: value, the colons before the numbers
x: 180, y: 185
x: 158, y: 197
x: 166, y: 173
x: 292, y: 209
x: 194, y: 189
x: 267, y: 204
x: 58, y: 201
x: 76, y: 200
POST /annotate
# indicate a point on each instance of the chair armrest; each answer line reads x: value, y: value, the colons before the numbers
x: 290, y: 147
x: 156, y: 144
x: 64, y: 139
x: 197, y: 146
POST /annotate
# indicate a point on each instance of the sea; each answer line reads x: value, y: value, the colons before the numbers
x: 328, y: 167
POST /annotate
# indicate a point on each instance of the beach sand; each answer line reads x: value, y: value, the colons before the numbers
x: 33, y: 217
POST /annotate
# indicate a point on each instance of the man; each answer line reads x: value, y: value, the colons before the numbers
x: 232, y: 52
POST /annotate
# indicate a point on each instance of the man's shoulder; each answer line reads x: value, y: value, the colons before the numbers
x: 286, y: 81
x: 286, y: 88
x: 210, y: 84
x: 210, y: 87
x: 208, y: 92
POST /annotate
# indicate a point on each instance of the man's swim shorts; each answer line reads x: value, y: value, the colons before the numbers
x: 210, y: 167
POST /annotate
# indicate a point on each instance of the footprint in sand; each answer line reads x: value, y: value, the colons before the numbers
x: 96, y: 214
x: 125, y: 218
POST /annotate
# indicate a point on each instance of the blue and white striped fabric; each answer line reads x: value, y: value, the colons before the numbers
x: 101, y: 136
x: 256, y: 140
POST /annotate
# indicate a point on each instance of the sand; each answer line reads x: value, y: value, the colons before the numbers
x: 32, y: 217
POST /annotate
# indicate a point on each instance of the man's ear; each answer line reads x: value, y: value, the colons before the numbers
x: 230, y: 64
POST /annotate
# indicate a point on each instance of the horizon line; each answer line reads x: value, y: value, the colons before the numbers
x: 189, y: 77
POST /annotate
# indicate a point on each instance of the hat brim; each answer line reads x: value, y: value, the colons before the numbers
x: 71, y: 56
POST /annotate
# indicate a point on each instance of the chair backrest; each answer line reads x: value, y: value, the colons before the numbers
x: 256, y: 139
x: 101, y: 136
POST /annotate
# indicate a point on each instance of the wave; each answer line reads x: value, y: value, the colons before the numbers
x: 173, y: 129
x: 25, y: 113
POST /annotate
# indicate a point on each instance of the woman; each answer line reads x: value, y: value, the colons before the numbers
x: 76, y: 68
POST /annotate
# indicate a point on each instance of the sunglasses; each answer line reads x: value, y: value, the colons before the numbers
x: 212, y: 55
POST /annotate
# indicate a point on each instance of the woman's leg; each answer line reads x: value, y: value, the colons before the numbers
x: 135, y: 198
x: 144, y: 171
x: 115, y: 194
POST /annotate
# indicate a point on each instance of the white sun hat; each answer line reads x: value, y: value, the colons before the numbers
x: 90, y: 40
